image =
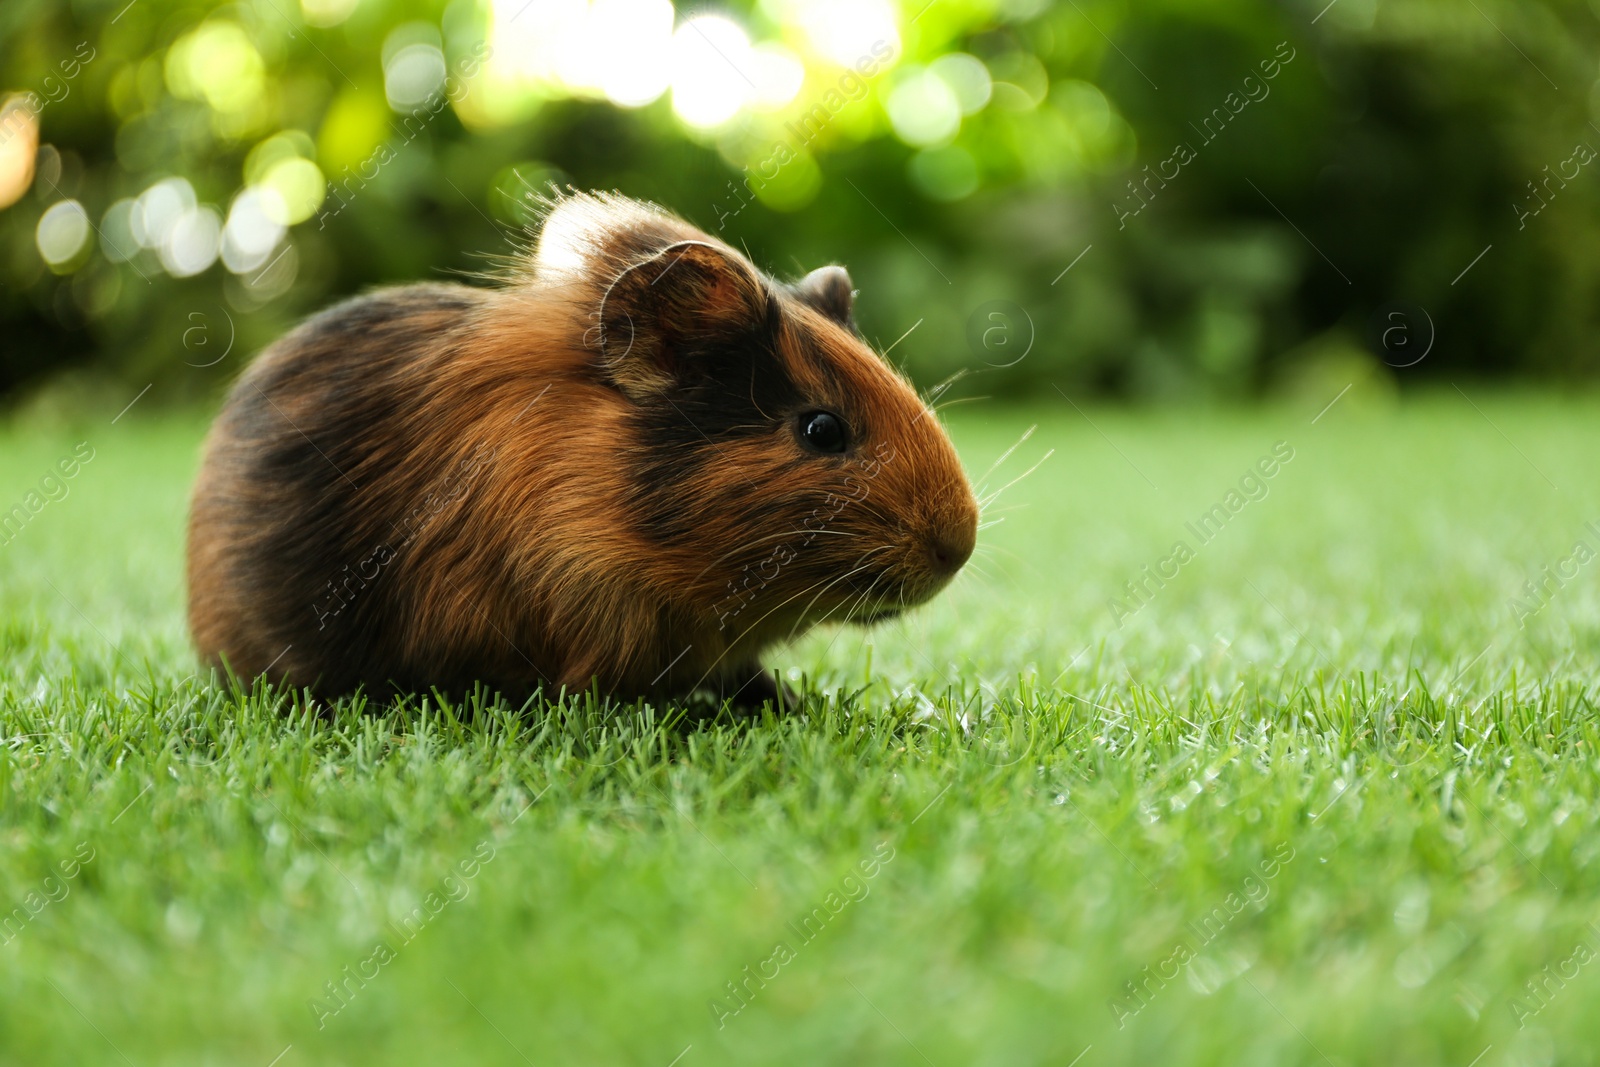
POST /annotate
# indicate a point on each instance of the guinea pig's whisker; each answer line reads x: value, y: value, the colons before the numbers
x: 786, y: 600
x: 851, y: 607
x: 806, y: 611
x: 845, y: 611
x: 943, y: 387
x: 794, y: 532
x: 976, y: 567
x: 872, y: 511
x: 902, y: 337
x: 867, y: 598
x: 986, y: 549
x: 948, y: 404
x: 879, y: 599
x: 983, y: 551
x: 847, y: 608
x: 843, y: 577
x: 983, y: 481
x: 831, y: 641
x: 830, y: 613
x: 753, y: 402
x: 744, y: 546
x: 992, y: 497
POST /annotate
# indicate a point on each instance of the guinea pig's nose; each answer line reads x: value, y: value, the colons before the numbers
x: 951, y: 544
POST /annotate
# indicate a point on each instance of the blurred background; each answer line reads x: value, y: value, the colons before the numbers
x: 1202, y: 201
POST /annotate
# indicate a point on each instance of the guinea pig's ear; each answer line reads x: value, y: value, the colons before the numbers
x: 659, y: 309
x: 827, y: 289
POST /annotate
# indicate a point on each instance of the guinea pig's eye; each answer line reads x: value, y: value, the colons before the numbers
x: 822, y: 431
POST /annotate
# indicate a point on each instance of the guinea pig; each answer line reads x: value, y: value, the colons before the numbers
x: 635, y: 464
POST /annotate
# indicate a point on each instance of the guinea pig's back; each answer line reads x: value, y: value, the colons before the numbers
x: 289, y: 521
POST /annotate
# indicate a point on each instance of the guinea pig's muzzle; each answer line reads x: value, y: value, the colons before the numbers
x: 950, y: 545
x: 928, y: 562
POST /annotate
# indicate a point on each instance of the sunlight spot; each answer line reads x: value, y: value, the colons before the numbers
x: 300, y: 189
x: 327, y: 12
x: 192, y: 242
x: 778, y: 74
x: 19, y: 142
x: 62, y: 233
x: 254, y: 228
x: 923, y: 109
x: 630, y: 62
x: 712, y: 68
x: 967, y: 77
x: 159, y: 209
x: 846, y: 31
x: 217, y: 63
x: 413, y: 75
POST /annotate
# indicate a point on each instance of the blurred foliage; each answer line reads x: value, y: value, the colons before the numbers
x: 1244, y: 193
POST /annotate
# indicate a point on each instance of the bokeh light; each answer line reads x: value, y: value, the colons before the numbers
x: 192, y: 241
x: 778, y: 75
x: 845, y: 32
x: 19, y: 141
x: 712, y: 63
x: 298, y: 189
x: 159, y: 209
x: 628, y: 62
x: 218, y: 63
x: 256, y: 223
x: 327, y: 12
x: 62, y: 234
x: 923, y: 107
x: 967, y: 78
x: 117, y: 241
x: 629, y: 53
x: 412, y: 75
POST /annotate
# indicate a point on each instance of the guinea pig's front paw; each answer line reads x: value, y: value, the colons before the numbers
x: 753, y: 687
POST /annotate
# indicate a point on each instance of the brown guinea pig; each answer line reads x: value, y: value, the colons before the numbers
x: 637, y: 464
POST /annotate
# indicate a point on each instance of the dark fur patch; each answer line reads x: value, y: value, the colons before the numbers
x: 300, y: 438
x: 728, y: 391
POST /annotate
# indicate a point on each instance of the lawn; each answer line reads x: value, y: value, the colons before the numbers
x: 1323, y: 791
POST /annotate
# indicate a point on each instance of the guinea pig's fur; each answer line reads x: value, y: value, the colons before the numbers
x: 597, y: 473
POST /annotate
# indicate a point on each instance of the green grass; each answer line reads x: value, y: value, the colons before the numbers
x: 1328, y: 733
